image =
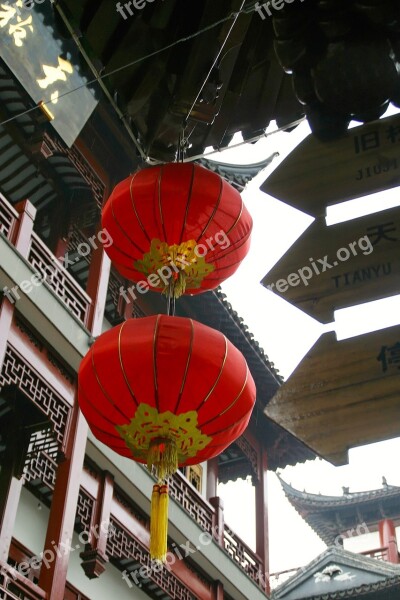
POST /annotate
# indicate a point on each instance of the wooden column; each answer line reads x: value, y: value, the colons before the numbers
x: 218, y: 591
x: 60, y: 528
x: 262, y: 542
x: 218, y: 521
x: 94, y: 558
x: 10, y: 486
x: 97, y: 286
x: 212, y: 478
x: 387, y: 537
x: 22, y: 240
x: 10, y: 482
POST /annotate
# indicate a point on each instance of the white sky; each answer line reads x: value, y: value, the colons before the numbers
x: 286, y: 334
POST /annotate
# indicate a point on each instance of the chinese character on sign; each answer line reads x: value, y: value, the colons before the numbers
x: 393, y: 133
x: 376, y: 233
x: 18, y: 29
x: 389, y: 356
x: 366, y: 141
x: 54, y: 74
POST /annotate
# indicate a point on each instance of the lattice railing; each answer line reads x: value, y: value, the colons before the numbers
x: 8, y: 218
x: 189, y: 498
x: 14, y: 586
x: 85, y: 510
x: 59, y: 280
x: 122, y: 545
x: 243, y: 556
x: 377, y: 553
x: 16, y: 371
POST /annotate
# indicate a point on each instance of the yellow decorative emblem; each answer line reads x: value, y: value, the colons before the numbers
x: 178, y: 266
x: 148, y: 424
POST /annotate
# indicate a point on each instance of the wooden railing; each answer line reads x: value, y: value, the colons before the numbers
x: 189, y: 498
x: 14, y: 586
x: 377, y: 553
x: 59, y: 280
x: 8, y: 218
x: 245, y: 557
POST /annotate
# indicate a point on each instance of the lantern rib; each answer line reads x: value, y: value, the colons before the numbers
x: 187, y: 366
x: 228, y: 427
x: 216, y: 207
x: 117, y: 437
x: 105, y: 395
x: 82, y: 393
x: 123, y: 232
x: 215, y: 258
x: 103, y: 390
x: 218, y: 377
x: 133, y: 395
x: 228, y: 408
x: 187, y: 205
x: 237, y: 219
x: 159, y: 202
x: 155, y: 374
x: 135, y: 211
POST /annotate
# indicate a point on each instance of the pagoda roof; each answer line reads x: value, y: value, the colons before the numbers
x: 339, y: 574
x: 236, y: 174
x: 213, y: 309
x: 331, y: 516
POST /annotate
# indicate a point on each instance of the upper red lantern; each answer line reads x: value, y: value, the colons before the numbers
x: 178, y: 227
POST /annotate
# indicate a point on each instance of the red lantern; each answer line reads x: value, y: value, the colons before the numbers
x: 165, y: 391
x: 179, y: 225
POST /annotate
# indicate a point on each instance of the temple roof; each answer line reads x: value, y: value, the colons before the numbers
x: 237, y: 175
x: 331, y: 516
x: 339, y: 574
x: 214, y: 310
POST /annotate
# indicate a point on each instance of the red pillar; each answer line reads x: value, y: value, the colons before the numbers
x: 60, y: 527
x: 262, y: 542
x: 11, y: 486
x: 218, y: 521
x: 22, y: 240
x: 387, y: 537
x: 94, y: 558
x: 212, y: 478
x: 218, y: 591
x: 97, y: 286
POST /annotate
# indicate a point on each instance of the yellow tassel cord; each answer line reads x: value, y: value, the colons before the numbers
x: 163, y: 456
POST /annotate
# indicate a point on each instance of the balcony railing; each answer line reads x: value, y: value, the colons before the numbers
x: 189, y: 498
x: 245, y: 557
x: 59, y: 280
x: 13, y: 586
x: 377, y: 553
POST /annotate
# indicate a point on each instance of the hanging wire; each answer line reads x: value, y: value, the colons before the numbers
x: 216, y: 59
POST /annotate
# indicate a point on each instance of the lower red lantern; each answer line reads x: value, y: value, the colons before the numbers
x: 166, y: 391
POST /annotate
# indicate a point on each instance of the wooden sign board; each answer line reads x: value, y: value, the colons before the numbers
x: 343, y: 394
x: 318, y: 174
x: 335, y: 267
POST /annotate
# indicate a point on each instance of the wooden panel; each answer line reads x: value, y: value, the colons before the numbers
x: 343, y: 394
x: 341, y: 265
x: 318, y: 174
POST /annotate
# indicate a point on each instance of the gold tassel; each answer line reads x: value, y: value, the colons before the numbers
x: 155, y: 503
x: 163, y: 456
